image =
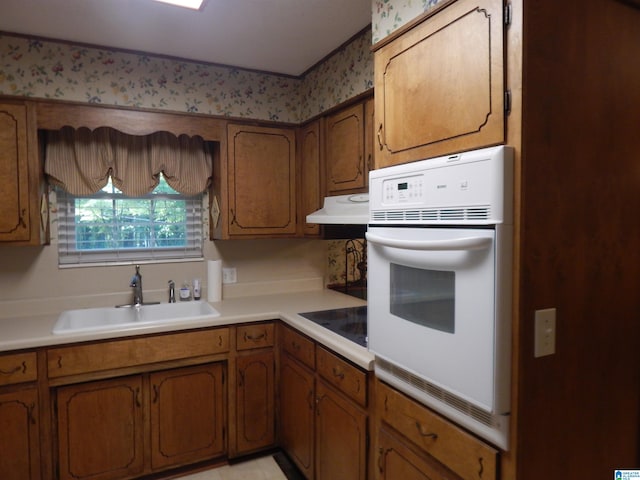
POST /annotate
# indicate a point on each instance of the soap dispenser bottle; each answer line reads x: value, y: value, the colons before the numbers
x: 185, y: 292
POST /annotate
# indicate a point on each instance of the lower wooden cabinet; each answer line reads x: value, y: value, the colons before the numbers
x: 414, y: 442
x: 255, y: 402
x: 396, y: 460
x: 297, y: 411
x: 101, y: 425
x: 341, y: 436
x: 19, y: 440
x: 187, y: 415
x: 323, y: 425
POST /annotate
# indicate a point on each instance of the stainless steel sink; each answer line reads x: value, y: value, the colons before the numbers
x: 113, y: 318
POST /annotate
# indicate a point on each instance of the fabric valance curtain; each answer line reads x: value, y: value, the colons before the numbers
x: 81, y: 161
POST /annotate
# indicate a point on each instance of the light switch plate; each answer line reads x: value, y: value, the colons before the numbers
x: 229, y: 275
x: 545, y: 332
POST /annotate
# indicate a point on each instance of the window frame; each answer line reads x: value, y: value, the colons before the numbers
x: 70, y: 256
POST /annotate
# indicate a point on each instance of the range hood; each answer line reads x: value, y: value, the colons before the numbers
x: 351, y: 209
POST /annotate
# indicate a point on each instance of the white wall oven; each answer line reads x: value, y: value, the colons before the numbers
x: 440, y: 266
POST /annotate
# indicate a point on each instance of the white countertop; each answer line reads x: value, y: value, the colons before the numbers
x: 36, y: 331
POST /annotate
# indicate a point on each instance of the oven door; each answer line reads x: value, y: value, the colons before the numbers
x: 433, y: 309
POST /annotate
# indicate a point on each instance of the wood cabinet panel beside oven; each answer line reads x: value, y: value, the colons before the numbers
x: 439, y: 87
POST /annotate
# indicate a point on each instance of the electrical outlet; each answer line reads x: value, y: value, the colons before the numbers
x: 229, y: 275
x: 545, y: 332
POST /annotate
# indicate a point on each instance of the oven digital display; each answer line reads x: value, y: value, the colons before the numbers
x: 403, y: 186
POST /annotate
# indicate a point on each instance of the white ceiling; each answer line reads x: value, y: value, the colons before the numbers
x: 280, y: 36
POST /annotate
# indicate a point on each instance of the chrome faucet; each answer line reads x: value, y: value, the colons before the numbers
x: 136, y: 284
x: 172, y: 292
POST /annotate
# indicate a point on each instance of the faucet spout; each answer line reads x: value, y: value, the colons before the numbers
x: 136, y: 284
x: 172, y: 291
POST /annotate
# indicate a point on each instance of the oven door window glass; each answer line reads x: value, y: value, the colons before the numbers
x: 422, y: 296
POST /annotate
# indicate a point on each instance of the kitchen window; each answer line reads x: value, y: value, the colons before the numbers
x: 110, y: 227
x: 127, y: 198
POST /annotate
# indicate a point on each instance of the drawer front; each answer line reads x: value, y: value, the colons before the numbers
x: 18, y: 368
x: 464, y: 454
x: 299, y: 347
x: 348, y: 379
x: 257, y: 335
x: 79, y: 359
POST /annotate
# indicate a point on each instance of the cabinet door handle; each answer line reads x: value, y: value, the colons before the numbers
x: 380, y: 136
x: 240, y: 378
x: 30, y: 410
x: 16, y: 369
x: 424, y: 433
x: 310, y: 399
x: 138, y: 401
x: 338, y: 373
x: 233, y: 217
x: 156, y: 393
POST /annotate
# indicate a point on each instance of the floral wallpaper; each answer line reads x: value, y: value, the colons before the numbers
x: 49, y: 69
x: 389, y: 15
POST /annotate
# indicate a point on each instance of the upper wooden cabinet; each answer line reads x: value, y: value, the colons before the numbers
x: 346, y: 169
x: 20, y: 178
x: 310, y: 196
x: 260, y: 196
x: 440, y: 85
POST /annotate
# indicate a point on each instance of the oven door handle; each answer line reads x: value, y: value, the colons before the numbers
x: 466, y: 243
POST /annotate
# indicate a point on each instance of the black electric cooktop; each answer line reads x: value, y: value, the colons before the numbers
x: 350, y: 322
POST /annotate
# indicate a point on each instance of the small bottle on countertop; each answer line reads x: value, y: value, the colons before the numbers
x: 185, y: 292
x: 196, y: 289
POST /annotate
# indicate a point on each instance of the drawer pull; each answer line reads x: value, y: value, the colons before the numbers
x: 424, y: 433
x: 295, y: 346
x: 17, y: 368
x: 256, y: 338
x: 338, y: 373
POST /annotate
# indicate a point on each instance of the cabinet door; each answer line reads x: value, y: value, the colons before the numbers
x: 255, y: 408
x: 261, y: 176
x: 309, y: 163
x: 187, y: 406
x: 397, y: 461
x: 345, y: 163
x: 100, y: 429
x: 297, y: 413
x: 14, y: 173
x: 19, y: 440
x: 440, y: 86
x: 341, y: 437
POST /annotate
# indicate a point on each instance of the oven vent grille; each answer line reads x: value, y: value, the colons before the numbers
x: 438, y: 393
x: 434, y: 215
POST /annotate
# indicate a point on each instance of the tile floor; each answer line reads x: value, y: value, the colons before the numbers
x: 264, y: 468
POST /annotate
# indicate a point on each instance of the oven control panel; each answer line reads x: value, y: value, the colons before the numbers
x: 474, y: 187
x: 403, y: 190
